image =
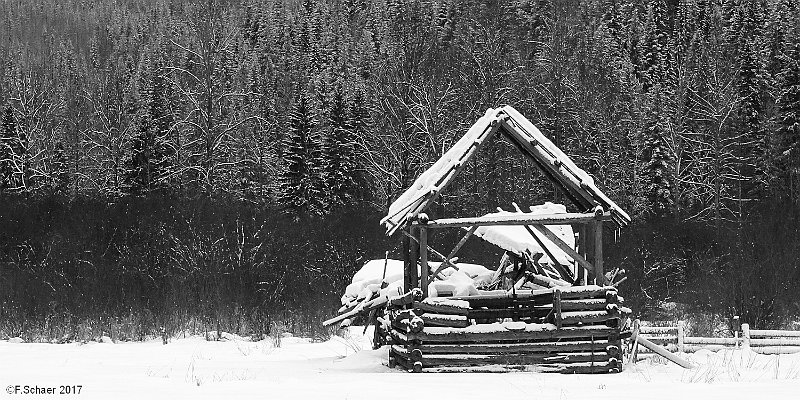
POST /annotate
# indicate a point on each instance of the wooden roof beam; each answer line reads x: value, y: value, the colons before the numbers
x: 517, y: 219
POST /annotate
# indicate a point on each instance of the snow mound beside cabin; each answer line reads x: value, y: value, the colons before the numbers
x: 366, y: 283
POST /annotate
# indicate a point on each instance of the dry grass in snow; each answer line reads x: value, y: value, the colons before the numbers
x: 345, y: 367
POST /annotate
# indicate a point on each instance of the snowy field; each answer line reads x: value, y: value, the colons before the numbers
x: 347, y: 369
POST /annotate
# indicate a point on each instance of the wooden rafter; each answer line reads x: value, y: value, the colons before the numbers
x: 516, y: 219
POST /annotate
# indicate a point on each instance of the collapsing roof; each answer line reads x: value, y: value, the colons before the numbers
x: 557, y: 166
x: 521, y: 240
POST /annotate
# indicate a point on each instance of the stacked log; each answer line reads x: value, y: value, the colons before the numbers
x: 564, y: 329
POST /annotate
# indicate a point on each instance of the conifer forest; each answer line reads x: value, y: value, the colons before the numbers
x: 173, y: 165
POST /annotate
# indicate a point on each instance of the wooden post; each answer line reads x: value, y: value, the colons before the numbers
x: 633, y: 358
x: 557, y: 306
x: 581, y: 275
x: 599, y: 273
x: 745, y: 336
x: 406, y: 263
x: 681, y: 336
x: 589, y: 243
x: 411, y: 270
x: 662, y: 352
x: 423, y: 256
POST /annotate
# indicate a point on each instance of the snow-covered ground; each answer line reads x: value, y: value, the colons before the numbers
x: 347, y: 369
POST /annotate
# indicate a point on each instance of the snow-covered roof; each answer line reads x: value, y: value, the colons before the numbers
x: 519, y: 240
x: 578, y: 185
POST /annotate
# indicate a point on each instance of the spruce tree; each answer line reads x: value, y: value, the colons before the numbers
x: 654, y: 50
x: 788, y: 116
x: 342, y: 169
x: 751, y: 78
x: 7, y: 143
x: 657, y: 161
x: 301, y: 183
x: 151, y: 152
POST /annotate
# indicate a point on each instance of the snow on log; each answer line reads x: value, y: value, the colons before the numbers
x: 446, y: 320
x: 535, y: 347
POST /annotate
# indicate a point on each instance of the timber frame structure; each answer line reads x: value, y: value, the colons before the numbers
x: 526, y: 313
x: 406, y: 214
x: 568, y: 327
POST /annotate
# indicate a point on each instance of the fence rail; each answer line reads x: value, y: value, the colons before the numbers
x: 763, y: 341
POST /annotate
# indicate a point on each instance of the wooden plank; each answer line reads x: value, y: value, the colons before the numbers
x: 366, y: 306
x: 545, y: 281
x: 407, y: 286
x: 662, y: 339
x: 536, y: 347
x: 583, y: 305
x: 433, y: 251
x: 582, y: 273
x: 423, y: 256
x: 658, y: 329
x: 556, y: 164
x: 773, y: 342
x: 513, y: 312
x: 546, y: 249
x: 557, y: 313
x: 572, y: 292
x: 544, y: 157
x: 589, y: 243
x: 512, y: 359
x: 515, y: 219
x: 454, y: 321
x: 463, y: 336
x: 461, y: 242
x: 663, y: 352
x: 773, y: 333
x: 440, y: 308
x: 689, y: 340
x: 599, y: 272
x: 412, y: 272
x: 487, y: 125
x: 563, y: 246
x: 586, y: 317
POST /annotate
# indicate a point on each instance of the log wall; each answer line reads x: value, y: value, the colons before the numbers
x: 569, y: 330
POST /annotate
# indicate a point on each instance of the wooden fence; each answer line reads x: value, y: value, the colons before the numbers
x: 674, y: 339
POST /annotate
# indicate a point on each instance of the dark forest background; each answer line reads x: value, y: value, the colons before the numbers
x: 172, y: 165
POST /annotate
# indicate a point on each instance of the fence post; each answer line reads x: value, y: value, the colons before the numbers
x: 736, y: 328
x: 635, y: 349
x: 745, y: 336
x: 681, y: 335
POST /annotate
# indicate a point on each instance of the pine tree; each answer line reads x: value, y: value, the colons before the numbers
x: 301, y: 183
